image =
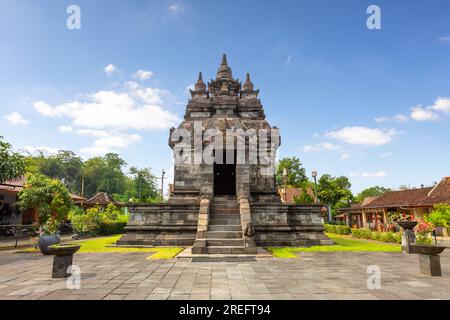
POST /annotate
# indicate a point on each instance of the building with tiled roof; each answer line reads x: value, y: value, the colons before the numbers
x: 101, y: 199
x: 411, y: 203
x: 439, y: 194
x: 403, y: 198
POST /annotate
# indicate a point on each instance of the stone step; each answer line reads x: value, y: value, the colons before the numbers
x: 228, y: 221
x: 230, y: 250
x: 225, y: 211
x: 224, y: 234
x: 226, y: 228
x: 225, y: 216
x: 224, y: 242
x: 228, y: 203
x: 216, y: 206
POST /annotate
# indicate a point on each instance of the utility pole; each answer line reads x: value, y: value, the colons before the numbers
x: 140, y: 186
x: 162, y: 184
x: 314, y: 175
x: 82, y: 190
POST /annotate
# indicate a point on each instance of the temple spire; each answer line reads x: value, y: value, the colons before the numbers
x: 200, y: 86
x: 224, y: 60
x: 248, y: 85
x: 224, y: 72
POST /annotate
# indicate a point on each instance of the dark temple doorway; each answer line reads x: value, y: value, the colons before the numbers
x: 225, y: 178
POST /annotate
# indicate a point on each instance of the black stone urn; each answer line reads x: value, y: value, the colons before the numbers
x: 408, y: 236
x: 407, y: 225
x: 429, y: 260
x: 62, y: 262
x: 427, y: 249
x: 46, y: 241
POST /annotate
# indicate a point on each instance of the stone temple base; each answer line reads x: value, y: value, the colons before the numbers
x: 161, y: 225
x: 175, y: 224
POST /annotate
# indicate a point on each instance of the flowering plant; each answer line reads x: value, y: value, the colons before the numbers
x: 422, y: 230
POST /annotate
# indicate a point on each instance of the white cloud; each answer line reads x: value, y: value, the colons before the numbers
x: 143, y: 75
x: 386, y: 154
x: 110, y: 142
x: 397, y: 118
x: 65, y: 129
x: 363, y: 135
x: 442, y: 105
x: 110, y: 69
x: 94, y: 133
x: 423, y: 114
x: 322, y: 146
x: 16, y: 119
x: 369, y: 175
x: 137, y: 108
x: 445, y: 39
x: 345, y: 156
x: 36, y: 150
x: 176, y: 8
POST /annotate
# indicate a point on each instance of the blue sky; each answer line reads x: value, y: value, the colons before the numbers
x: 370, y: 104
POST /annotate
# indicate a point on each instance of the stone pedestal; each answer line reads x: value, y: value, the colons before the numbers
x: 408, y: 238
x: 430, y: 265
x: 60, y: 266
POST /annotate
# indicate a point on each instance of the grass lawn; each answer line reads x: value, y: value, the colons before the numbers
x: 103, y: 244
x: 342, y: 243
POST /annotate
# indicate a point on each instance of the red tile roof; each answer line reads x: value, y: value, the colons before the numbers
x: 288, y: 195
x: 76, y: 198
x: 439, y: 194
x: 101, y: 199
x: 404, y: 198
x: 15, y: 185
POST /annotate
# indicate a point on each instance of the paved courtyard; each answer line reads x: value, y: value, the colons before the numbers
x: 328, y: 275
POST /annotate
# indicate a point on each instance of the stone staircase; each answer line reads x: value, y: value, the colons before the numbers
x: 224, y: 234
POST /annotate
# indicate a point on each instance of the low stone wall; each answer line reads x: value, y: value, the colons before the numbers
x: 289, y: 225
x: 161, y: 225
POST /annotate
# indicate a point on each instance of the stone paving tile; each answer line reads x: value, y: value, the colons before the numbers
x: 331, y: 275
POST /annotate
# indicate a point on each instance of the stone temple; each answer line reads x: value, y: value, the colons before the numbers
x: 224, y: 197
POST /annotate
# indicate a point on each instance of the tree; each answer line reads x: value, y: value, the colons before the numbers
x: 12, y: 164
x: 92, y: 172
x: 65, y: 166
x: 144, y: 185
x: 48, y: 196
x: 113, y: 179
x: 371, y: 192
x: 33, y: 164
x: 296, y: 176
x: 335, y: 191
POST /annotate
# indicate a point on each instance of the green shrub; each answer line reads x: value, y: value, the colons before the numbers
x: 440, y: 216
x: 92, y: 222
x: 378, y: 236
x: 111, y: 212
x: 109, y: 227
x: 85, y: 223
x: 337, y: 229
